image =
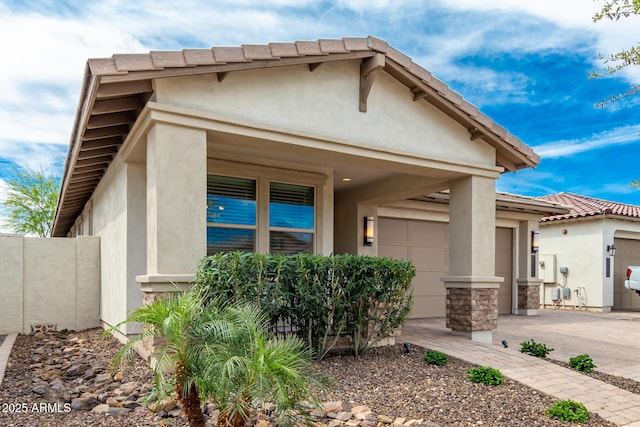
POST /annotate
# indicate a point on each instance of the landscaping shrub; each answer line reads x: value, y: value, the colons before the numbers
x: 222, y: 353
x: 320, y: 298
x: 568, y: 410
x: 433, y: 357
x: 583, y: 363
x: 535, y: 349
x: 485, y: 375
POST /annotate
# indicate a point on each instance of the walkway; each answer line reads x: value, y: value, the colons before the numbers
x: 604, y: 337
x: 5, y: 351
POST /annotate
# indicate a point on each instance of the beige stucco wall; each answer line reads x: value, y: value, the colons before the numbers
x: 119, y: 218
x: 49, y: 281
x: 11, y: 283
x: 582, y: 251
x: 324, y: 103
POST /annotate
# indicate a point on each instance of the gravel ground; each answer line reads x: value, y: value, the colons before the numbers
x: 389, y: 381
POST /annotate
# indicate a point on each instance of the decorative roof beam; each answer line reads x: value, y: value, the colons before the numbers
x: 222, y: 76
x: 418, y: 93
x: 368, y: 70
x: 475, y: 133
x: 314, y: 65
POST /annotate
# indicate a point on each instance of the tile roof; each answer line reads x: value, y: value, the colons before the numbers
x: 509, y: 202
x: 583, y: 206
x: 116, y: 89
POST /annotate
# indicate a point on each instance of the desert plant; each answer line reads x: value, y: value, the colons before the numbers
x: 569, y: 410
x: 485, y: 375
x: 582, y: 362
x: 433, y: 357
x: 535, y: 349
x: 222, y: 353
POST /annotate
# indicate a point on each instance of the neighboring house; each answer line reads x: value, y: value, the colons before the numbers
x: 583, y: 242
x: 291, y: 147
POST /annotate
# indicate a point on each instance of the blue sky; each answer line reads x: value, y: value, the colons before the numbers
x: 523, y: 63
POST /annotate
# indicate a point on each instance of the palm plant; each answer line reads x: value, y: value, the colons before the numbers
x: 246, y: 369
x: 223, y: 353
x: 177, y: 318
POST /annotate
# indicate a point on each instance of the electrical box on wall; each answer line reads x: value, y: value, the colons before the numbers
x: 547, y: 268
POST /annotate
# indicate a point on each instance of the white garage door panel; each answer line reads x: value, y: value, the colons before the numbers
x: 627, y: 253
x: 426, y: 245
x: 427, y: 259
x: 504, y: 268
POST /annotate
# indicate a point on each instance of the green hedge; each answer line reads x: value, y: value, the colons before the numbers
x: 320, y: 298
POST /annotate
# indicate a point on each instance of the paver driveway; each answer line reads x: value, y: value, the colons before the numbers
x: 612, y: 340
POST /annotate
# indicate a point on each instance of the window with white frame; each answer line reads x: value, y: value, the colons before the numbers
x: 234, y: 207
x: 291, y: 218
x: 231, y: 214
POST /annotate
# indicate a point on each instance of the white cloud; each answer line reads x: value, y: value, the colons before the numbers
x: 4, y: 188
x: 529, y: 181
x: 618, y: 136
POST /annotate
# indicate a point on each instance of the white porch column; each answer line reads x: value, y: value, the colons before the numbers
x: 176, y: 206
x: 528, y: 282
x: 472, y: 287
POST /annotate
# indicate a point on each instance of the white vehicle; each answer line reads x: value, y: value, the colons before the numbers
x: 633, y: 278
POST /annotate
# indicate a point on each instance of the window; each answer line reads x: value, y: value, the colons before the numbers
x: 291, y: 218
x: 231, y: 214
x: 235, y: 207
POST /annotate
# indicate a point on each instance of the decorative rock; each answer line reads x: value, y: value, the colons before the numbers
x: 76, y: 370
x: 168, y: 404
x: 175, y: 413
x: 102, y: 378
x: 101, y: 408
x: 335, y: 423
x: 40, y: 389
x: 399, y: 421
x: 89, y: 373
x: 113, y: 403
x: 127, y: 388
x: 343, y: 416
x: 334, y: 406
x: 118, y: 376
x: 360, y: 409
x: 384, y: 419
x: 84, y: 403
x: 352, y: 423
x: 118, y: 411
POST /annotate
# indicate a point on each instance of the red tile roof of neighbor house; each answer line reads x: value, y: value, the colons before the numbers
x: 116, y: 89
x: 583, y: 206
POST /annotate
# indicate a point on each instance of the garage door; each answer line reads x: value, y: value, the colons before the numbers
x: 426, y: 245
x: 627, y: 253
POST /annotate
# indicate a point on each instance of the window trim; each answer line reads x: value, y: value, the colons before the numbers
x: 264, y: 175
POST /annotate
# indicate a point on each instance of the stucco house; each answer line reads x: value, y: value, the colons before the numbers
x: 593, y: 244
x: 287, y: 147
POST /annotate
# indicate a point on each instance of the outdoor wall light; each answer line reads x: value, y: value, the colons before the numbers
x: 611, y: 249
x: 368, y: 230
x: 535, y: 245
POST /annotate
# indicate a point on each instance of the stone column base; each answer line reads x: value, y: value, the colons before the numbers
x: 528, y: 296
x: 154, y: 287
x: 472, y: 305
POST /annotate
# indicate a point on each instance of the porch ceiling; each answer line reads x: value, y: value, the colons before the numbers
x: 116, y: 89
